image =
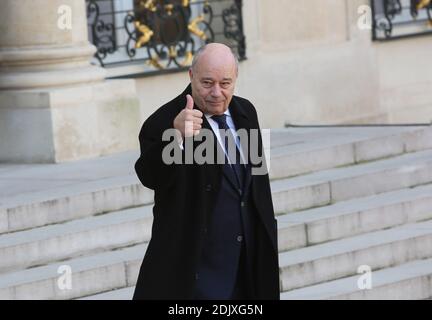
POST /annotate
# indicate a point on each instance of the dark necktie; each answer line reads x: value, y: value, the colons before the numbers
x: 233, y: 158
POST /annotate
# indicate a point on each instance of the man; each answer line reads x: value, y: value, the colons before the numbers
x: 214, y: 233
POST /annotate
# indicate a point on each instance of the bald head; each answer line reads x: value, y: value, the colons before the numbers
x: 213, y: 75
x: 215, y: 49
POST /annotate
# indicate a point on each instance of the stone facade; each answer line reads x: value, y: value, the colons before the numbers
x: 308, y: 63
x: 54, y: 105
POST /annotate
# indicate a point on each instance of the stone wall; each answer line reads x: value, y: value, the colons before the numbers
x: 309, y: 63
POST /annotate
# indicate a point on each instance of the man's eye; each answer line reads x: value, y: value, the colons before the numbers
x: 225, y: 84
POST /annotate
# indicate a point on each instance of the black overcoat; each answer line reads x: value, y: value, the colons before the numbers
x: 184, y: 196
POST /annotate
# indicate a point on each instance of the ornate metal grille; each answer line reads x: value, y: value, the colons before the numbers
x: 161, y: 34
x: 394, y: 19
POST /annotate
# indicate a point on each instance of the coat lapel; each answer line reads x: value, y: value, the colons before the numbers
x: 227, y: 171
x: 241, y: 121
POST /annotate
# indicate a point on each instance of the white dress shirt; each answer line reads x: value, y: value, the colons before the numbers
x: 215, y: 127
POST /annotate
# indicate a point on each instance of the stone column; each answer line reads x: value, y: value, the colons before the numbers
x: 54, y: 105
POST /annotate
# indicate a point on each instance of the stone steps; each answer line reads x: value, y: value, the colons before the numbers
x: 344, y: 198
x: 39, y: 195
x: 341, y: 258
x: 91, y: 274
x: 412, y: 280
x: 67, y: 203
x: 333, y: 185
x: 20, y: 250
x: 83, y: 236
x: 119, y: 294
x: 310, y: 265
x: 409, y: 281
x: 299, y: 151
x: 354, y: 217
x: 315, y: 189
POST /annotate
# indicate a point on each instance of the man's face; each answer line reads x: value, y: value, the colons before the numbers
x: 213, y: 82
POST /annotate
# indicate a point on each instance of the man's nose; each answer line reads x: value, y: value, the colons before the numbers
x: 216, y: 90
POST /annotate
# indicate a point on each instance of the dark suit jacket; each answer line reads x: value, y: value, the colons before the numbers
x: 185, y: 196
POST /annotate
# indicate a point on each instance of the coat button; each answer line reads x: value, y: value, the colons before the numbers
x: 242, y: 204
x: 239, y: 238
x: 196, y: 276
x: 208, y: 188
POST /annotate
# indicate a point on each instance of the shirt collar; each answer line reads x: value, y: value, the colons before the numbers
x: 227, y: 113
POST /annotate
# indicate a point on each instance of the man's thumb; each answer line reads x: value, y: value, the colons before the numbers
x: 190, y: 102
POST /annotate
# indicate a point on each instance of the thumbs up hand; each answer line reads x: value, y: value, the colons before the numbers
x: 188, y: 121
x: 189, y: 102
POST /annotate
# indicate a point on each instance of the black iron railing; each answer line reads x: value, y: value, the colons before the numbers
x: 394, y: 19
x: 162, y: 34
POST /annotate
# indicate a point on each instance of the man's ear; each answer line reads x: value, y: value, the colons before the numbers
x: 190, y: 74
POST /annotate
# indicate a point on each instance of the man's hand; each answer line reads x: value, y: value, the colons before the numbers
x: 188, y: 121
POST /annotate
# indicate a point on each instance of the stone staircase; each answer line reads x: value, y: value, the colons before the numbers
x: 344, y: 198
